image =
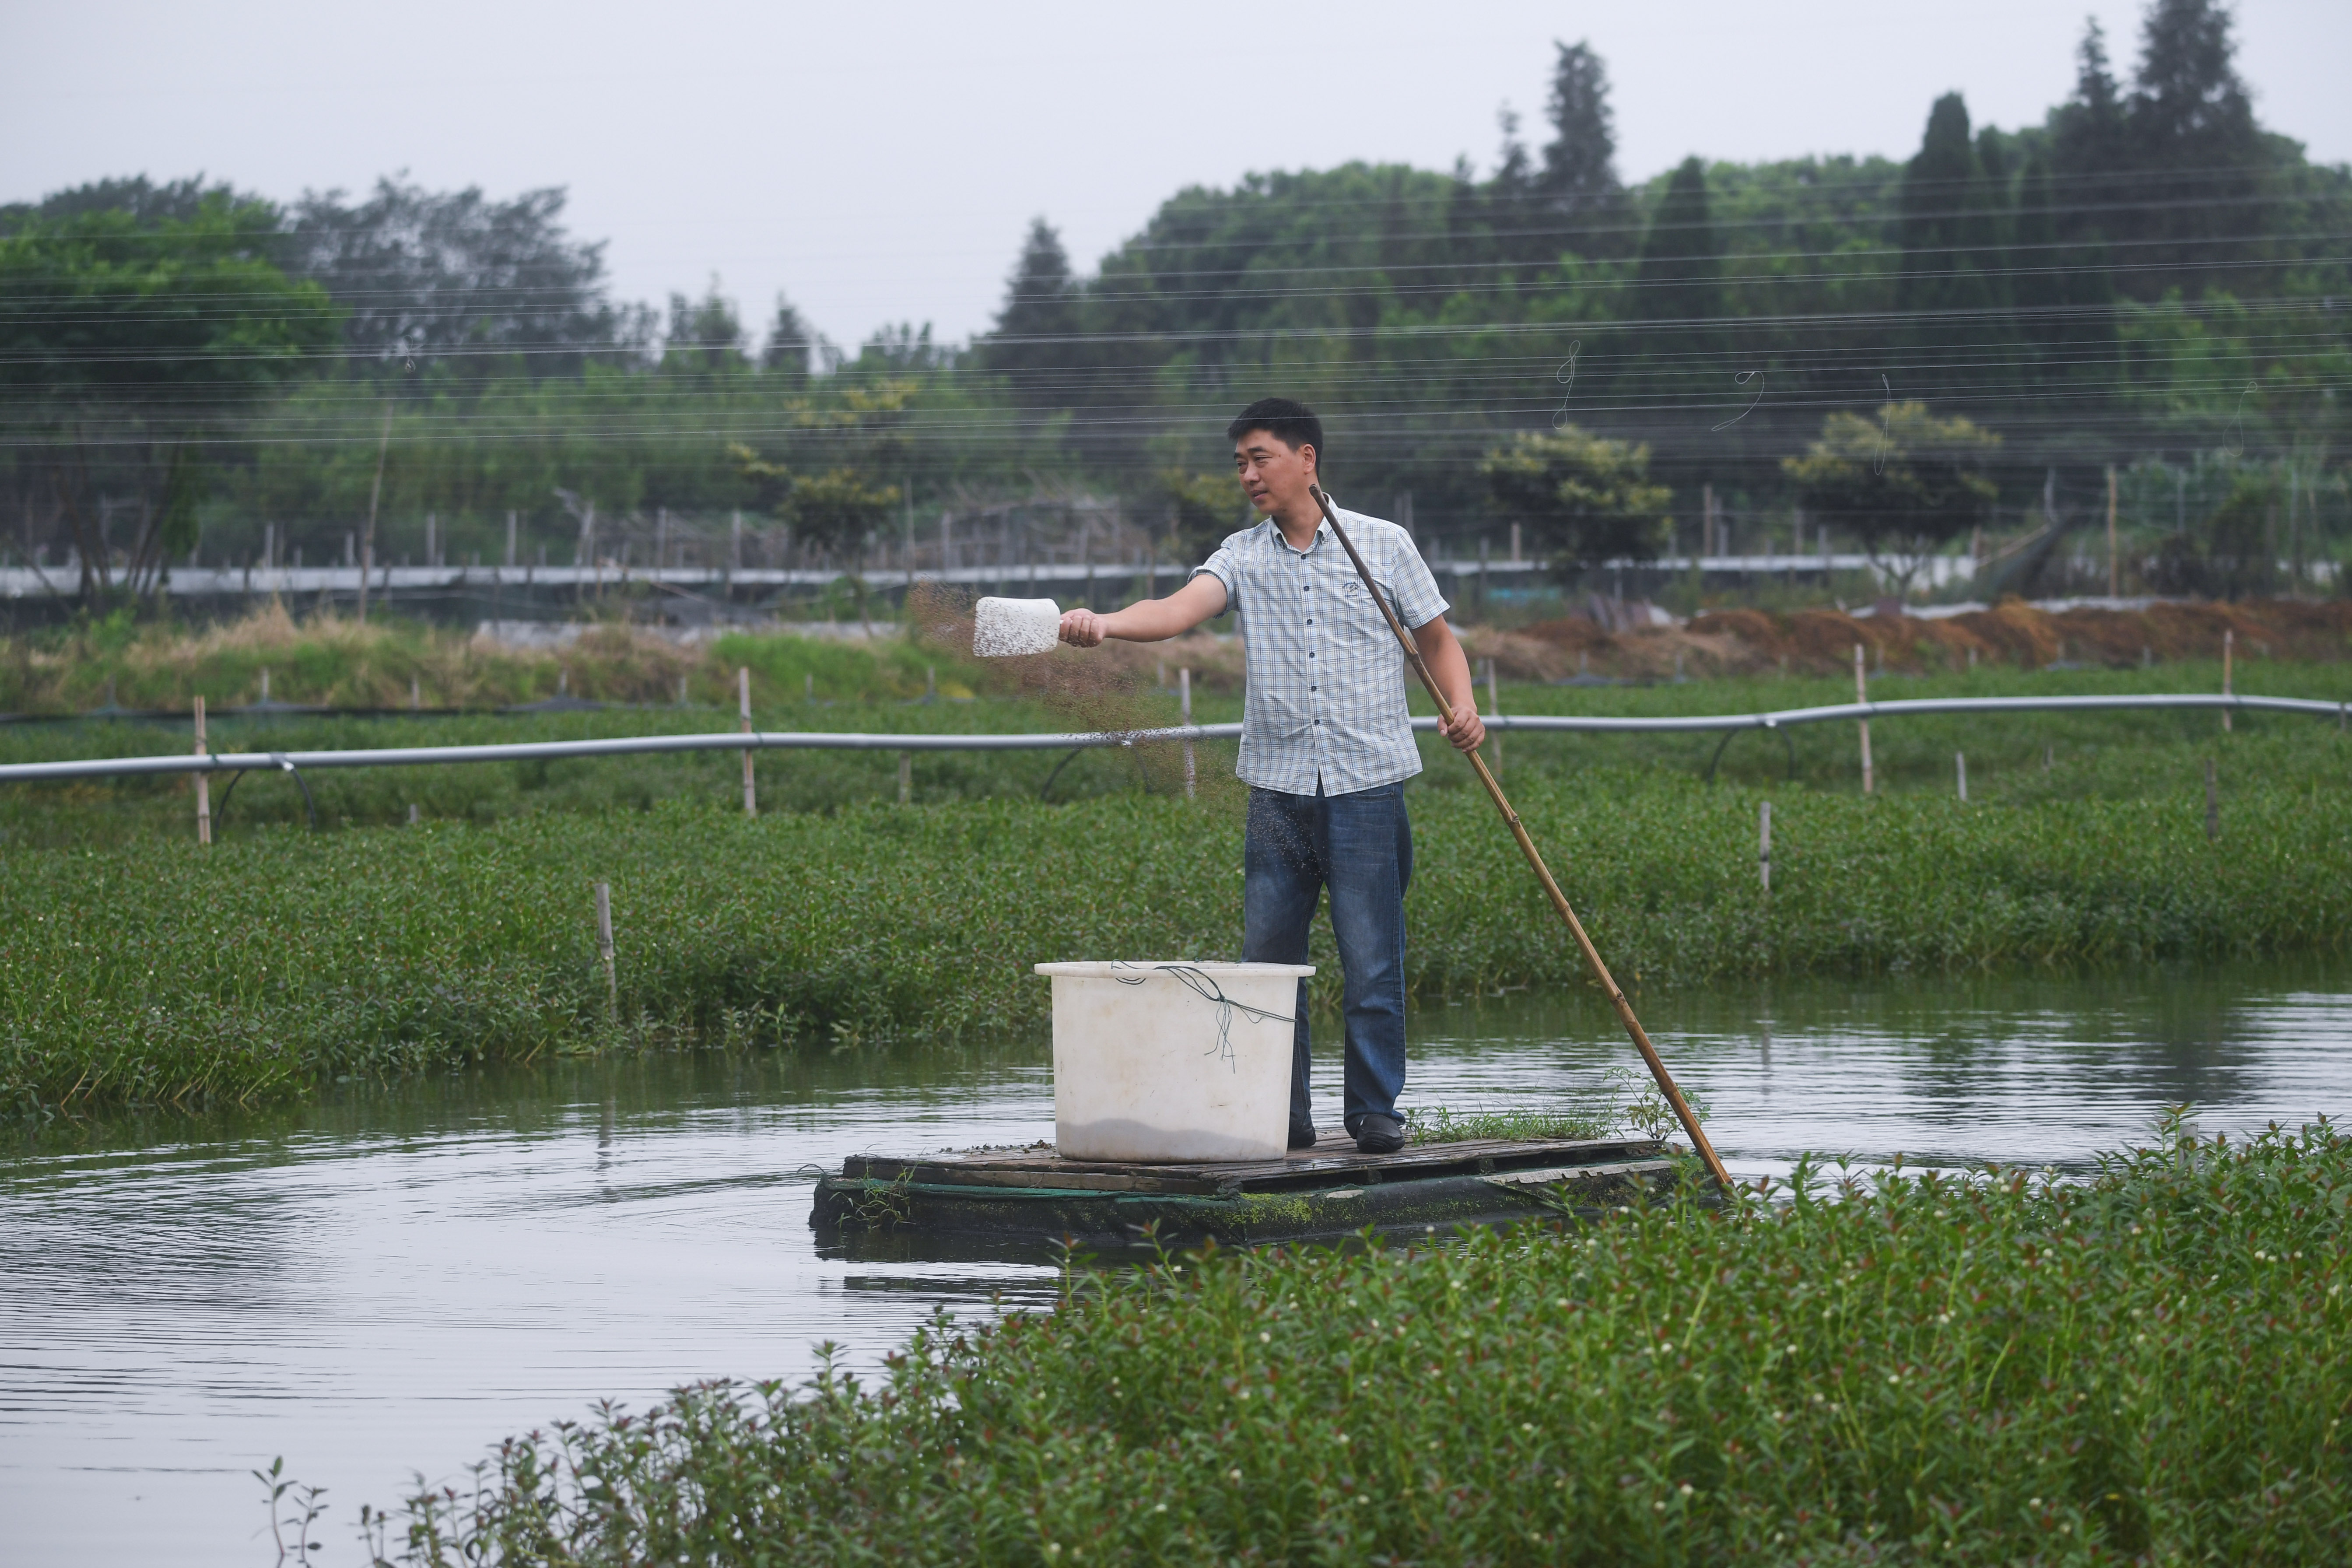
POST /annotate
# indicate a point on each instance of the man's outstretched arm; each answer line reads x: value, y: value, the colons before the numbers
x: 1153, y: 620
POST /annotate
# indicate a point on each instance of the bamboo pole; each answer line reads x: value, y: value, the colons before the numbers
x: 1861, y: 694
x: 375, y: 493
x: 2113, y: 572
x: 1494, y: 708
x: 2229, y: 647
x: 743, y: 703
x: 1185, y: 711
x: 1666, y: 1087
x: 605, y: 946
x: 204, y: 785
x: 1764, y: 844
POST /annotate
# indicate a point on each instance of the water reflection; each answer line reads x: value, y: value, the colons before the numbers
x: 396, y: 1278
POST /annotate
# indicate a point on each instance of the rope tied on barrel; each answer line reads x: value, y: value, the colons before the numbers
x: 1204, y: 986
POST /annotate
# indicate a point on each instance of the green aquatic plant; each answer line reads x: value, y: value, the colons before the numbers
x: 1624, y: 1101
x: 2152, y: 1363
x: 166, y: 975
x: 1441, y: 1124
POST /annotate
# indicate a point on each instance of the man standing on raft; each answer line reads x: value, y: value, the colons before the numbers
x: 1326, y: 768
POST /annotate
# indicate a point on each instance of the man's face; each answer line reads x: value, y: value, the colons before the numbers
x: 1272, y: 474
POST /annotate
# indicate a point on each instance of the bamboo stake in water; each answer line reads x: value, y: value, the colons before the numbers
x: 605, y: 946
x: 1674, y: 1095
x: 204, y: 785
x: 1960, y: 763
x: 1185, y: 711
x: 1764, y: 846
x: 906, y: 778
x: 1861, y: 694
x: 743, y: 701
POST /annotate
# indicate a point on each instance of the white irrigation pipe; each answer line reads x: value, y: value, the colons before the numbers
x: 1784, y: 716
x: 620, y: 746
x: 861, y: 741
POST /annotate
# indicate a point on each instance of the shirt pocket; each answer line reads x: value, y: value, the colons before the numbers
x: 1362, y: 629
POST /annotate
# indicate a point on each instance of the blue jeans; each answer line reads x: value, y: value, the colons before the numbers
x: 1359, y: 846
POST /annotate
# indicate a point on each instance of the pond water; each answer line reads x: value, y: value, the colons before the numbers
x: 390, y: 1281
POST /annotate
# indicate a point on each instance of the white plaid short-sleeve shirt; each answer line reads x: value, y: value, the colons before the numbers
x: 1326, y: 695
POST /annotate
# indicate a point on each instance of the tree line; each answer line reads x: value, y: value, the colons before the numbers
x: 2149, y: 272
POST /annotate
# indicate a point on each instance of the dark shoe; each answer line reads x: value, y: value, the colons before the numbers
x: 1379, y: 1135
x: 1302, y: 1136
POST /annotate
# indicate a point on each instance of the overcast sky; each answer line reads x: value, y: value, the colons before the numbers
x: 881, y: 163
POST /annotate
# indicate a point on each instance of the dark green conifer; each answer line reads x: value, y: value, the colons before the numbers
x: 2201, y: 158
x: 1680, y: 277
x: 1035, y: 328
x: 1948, y: 288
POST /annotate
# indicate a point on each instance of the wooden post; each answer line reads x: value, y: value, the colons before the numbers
x: 204, y: 785
x: 1861, y: 694
x: 511, y: 537
x: 2229, y: 645
x: 2212, y: 805
x: 1184, y: 709
x: 1764, y: 846
x: 605, y: 946
x: 2113, y: 572
x: 1960, y: 765
x: 1494, y: 708
x: 906, y: 778
x: 743, y: 701
x: 375, y: 493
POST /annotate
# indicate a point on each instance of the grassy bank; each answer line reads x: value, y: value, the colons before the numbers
x: 170, y: 974
x: 328, y: 660
x: 2148, y: 1367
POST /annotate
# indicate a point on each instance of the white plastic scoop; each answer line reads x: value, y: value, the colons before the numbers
x: 1005, y: 629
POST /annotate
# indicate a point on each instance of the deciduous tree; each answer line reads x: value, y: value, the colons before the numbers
x: 127, y: 347
x: 1583, y: 499
x: 1905, y: 483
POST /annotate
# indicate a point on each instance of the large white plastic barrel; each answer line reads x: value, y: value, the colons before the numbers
x: 1164, y: 1061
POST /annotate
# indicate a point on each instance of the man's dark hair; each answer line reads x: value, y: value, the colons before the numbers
x: 1290, y: 422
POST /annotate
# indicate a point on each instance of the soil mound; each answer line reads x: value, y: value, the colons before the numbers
x: 2013, y: 632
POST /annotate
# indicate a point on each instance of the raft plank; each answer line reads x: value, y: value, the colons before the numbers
x: 1074, y: 1177
x: 1333, y: 1159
